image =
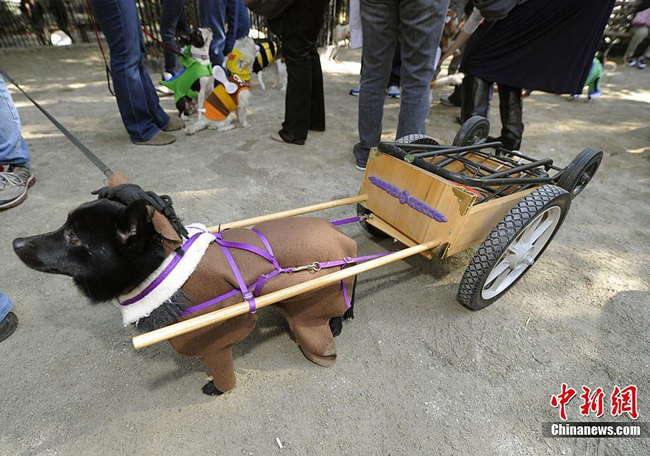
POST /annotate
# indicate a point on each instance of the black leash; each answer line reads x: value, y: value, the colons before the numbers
x: 162, y: 204
x: 92, y: 157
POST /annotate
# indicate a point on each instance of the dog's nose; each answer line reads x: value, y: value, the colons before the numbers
x: 21, y: 243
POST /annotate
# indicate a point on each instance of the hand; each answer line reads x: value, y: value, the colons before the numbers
x: 125, y: 194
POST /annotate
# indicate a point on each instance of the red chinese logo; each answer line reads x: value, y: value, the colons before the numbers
x: 592, y: 402
x: 562, y: 399
x: 622, y: 401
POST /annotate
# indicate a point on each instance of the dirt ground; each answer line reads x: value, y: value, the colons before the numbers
x: 417, y: 373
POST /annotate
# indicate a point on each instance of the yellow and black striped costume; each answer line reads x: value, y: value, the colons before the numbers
x: 221, y: 103
x: 265, y: 56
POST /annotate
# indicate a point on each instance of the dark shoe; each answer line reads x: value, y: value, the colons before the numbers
x: 175, y: 123
x: 281, y: 136
x: 14, y: 182
x: 445, y: 101
x: 159, y: 139
x: 319, y: 129
x: 8, y: 325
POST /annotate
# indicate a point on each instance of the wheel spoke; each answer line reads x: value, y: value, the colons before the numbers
x: 530, y: 230
x: 541, y: 229
x: 497, y: 271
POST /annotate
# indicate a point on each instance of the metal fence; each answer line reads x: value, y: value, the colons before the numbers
x: 29, y: 23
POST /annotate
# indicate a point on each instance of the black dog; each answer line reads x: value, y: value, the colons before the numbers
x: 109, y: 248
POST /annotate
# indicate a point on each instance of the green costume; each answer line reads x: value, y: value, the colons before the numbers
x: 594, y: 78
x: 192, y: 71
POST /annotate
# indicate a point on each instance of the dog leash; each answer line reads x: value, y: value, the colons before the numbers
x: 162, y: 203
x: 101, y: 48
x: 95, y: 160
x: 163, y: 45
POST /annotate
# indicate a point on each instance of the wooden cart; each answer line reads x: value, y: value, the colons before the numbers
x: 442, y: 200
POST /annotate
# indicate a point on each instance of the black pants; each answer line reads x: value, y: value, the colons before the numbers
x: 298, y: 29
x: 476, y: 94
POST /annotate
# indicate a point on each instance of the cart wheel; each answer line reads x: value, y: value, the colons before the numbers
x: 475, y: 130
x: 361, y: 211
x: 513, y: 246
x: 580, y: 171
x: 417, y: 138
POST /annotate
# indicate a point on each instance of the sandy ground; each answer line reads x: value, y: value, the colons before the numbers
x: 417, y: 373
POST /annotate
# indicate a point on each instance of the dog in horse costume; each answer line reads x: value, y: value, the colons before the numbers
x: 121, y: 249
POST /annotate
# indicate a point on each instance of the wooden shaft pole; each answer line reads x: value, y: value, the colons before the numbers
x: 183, y: 327
x: 289, y: 213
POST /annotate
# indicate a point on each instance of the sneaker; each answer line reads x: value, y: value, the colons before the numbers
x: 159, y: 139
x: 641, y: 63
x: 574, y: 97
x: 393, y: 92
x: 596, y: 94
x: 14, y: 182
x: 354, y: 91
x: 630, y: 61
x: 360, y: 165
x: 8, y: 326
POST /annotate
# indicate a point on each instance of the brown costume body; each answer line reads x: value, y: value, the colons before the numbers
x: 295, y: 242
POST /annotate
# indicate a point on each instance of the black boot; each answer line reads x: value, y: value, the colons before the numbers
x: 511, y: 110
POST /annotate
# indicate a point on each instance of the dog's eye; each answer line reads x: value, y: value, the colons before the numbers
x: 73, y: 239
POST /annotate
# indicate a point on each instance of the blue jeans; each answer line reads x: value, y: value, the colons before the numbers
x: 420, y: 24
x: 172, y: 18
x: 136, y: 96
x: 213, y: 14
x: 13, y: 148
x: 6, y: 304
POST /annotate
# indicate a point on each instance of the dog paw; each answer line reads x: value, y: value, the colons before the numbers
x: 246, y: 125
x: 211, y: 390
x: 336, y: 325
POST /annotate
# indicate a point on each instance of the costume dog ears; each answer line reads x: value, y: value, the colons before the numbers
x: 134, y: 226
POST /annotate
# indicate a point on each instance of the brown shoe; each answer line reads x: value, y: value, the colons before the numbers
x: 159, y: 139
x: 175, y: 123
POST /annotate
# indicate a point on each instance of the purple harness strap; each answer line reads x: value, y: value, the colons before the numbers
x: 257, y: 286
x: 170, y: 267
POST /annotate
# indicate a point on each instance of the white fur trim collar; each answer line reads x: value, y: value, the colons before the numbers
x: 175, y: 280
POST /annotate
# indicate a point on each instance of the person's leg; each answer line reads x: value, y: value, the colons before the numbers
x: 638, y: 35
x: 380, y: 24
x: 511, y: 110
x: 8, y: 320
x: 212, y: 13
x: 172, y: 10
x: 239, y: 23
x: 421, y: 24
x: 476, y: 95
x: 300, y: 27
x: 136, y: 96
x: 317, y: 104
x: 15, y: 175
x: 13, y: 148
x: 396, y: 69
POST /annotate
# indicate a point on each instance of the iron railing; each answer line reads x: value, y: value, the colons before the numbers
x: 29, y: 23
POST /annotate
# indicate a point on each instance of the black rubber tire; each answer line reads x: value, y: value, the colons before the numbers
x: 474, y: 130
x: 417, y: 138
x: 500, y: 238
x: 361, y: 211
x: 581, y: 170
